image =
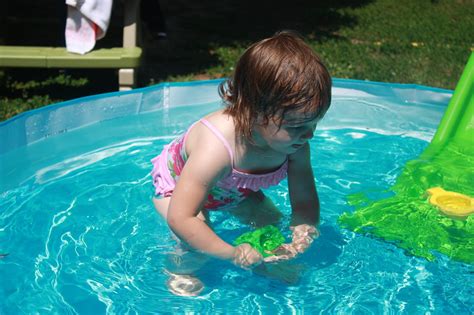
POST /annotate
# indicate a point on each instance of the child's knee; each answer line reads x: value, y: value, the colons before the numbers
x: 257, y: 210
x: 185, y: 262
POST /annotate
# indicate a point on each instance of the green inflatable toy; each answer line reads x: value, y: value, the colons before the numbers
x: 432, y: 205
x: 264, y: 240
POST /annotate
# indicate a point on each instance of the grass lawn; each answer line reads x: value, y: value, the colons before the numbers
x: 406, y: 41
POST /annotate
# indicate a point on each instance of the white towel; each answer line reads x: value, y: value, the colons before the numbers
x: 87, y: 22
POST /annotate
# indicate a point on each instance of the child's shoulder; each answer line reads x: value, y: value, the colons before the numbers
x: 222, y: 121
x: 217, y: 124
x: 212, y: 133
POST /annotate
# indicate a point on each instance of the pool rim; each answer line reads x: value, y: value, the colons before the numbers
x: 204, y: 82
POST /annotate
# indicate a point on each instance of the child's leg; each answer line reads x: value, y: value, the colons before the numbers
x: 257, y: 210
x: 180, y: 267
x: 161, y: 206
x: 184, y: 261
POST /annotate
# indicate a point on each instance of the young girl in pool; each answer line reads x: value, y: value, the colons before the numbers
x: 279, y: 91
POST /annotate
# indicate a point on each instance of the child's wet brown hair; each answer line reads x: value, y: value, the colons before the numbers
x: 273, y: 76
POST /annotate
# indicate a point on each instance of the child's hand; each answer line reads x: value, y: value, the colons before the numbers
x: 245, y: 256
x: 284, y: 252
x: 303, y: 236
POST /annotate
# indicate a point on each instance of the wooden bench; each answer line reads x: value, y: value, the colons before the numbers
x: 126, y: 58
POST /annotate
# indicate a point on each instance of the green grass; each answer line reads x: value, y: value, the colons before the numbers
x: 405, y: 41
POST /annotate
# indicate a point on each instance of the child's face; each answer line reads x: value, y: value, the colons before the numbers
x: 296, y: 129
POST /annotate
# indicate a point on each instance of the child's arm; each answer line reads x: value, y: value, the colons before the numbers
x: 303, y: 195
x: 205, y: 166
x: 305, y: 206
x: 303, y: 198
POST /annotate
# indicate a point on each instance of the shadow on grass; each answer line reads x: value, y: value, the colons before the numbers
x: 195, y: 30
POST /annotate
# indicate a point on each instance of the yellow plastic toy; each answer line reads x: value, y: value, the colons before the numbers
x: 455, y: 205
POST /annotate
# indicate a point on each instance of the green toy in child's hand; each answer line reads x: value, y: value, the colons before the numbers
x: 264, y: 240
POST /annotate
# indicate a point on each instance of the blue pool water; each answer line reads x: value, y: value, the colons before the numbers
x: 82, y: 236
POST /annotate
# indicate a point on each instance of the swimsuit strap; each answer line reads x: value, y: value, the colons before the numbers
x: 219, y: 135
